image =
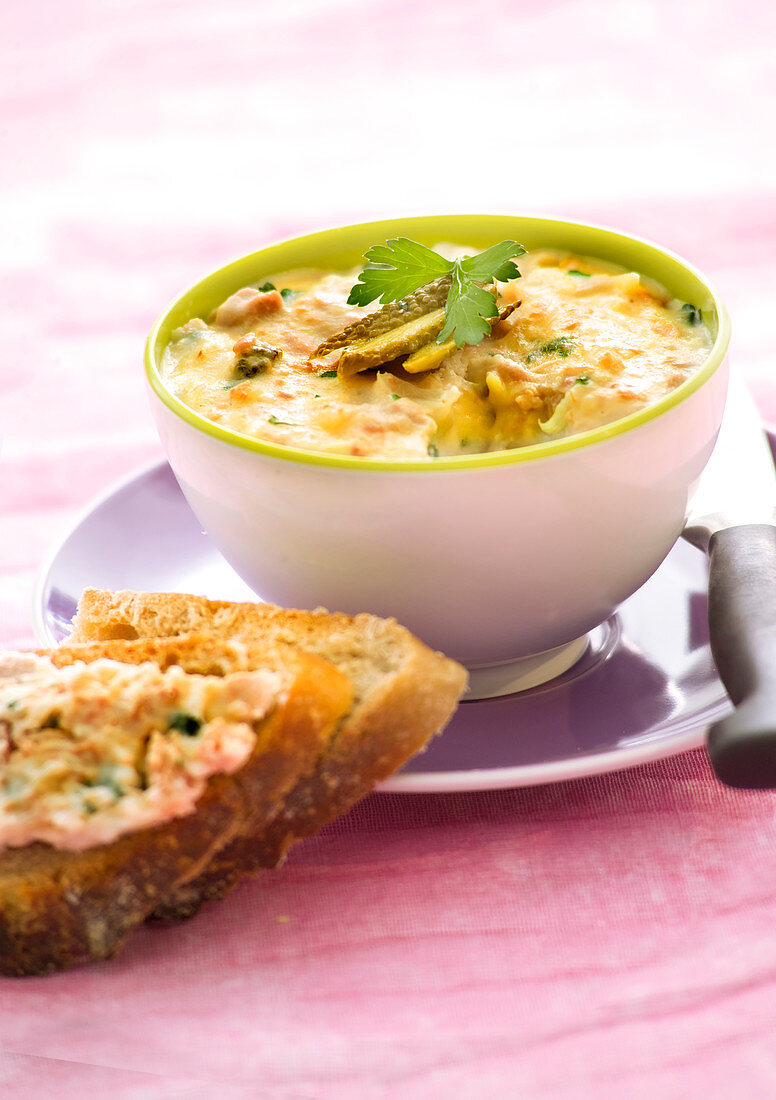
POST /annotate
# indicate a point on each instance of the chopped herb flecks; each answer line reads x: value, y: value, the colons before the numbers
x: 395, y: 396
x: 283, y: 423
x: 328, y: 374
x: 581, y: 274
x: 691, y: 314
x: 433, y: 450
x: 561, y: 347
x: 583, y: 380
x: 185, y: 723
x: 104, y: 778
x: 285, y: 292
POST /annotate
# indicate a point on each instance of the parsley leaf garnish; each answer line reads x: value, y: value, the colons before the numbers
x: 283, y: 423
x: 691, y: 314
x: 494, y: 263
x: 401, y: 266
x: 467, y: 310
x: 396, y: 268
x: 328, y: 374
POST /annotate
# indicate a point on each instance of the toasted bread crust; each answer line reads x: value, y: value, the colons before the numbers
x: 367, y: 748
x: 59, y: 908
x: 126, y: 615
x: 409, y: 696
x: 392, y: 725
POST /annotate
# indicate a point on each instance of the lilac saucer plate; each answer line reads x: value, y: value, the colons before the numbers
x: 645, y: 687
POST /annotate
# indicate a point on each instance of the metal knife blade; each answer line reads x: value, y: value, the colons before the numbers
x: 738, y: 485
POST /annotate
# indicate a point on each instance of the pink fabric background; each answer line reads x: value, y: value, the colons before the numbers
x: 603, y: 938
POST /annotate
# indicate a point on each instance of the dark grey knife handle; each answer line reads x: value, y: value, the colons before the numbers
x: 742, y: 627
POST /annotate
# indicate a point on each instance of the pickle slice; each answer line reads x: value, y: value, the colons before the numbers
x: 429, y: 357
x: 432, y: 355
x: 504, y: 312
x: 256, y: 359
x: 405, y: 339
x: 420, y: 302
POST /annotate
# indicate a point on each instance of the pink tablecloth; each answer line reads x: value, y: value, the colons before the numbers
x: 601, y: 938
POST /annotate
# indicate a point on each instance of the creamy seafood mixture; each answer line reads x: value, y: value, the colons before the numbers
x: 91, y: 751
x: 585, y: 344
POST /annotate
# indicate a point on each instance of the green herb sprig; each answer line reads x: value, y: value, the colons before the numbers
x: 400, y: 266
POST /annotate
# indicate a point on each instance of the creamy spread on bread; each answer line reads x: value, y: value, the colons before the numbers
x: 91, y: 751
x: 588, y: 344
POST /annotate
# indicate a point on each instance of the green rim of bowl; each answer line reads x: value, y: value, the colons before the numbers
x: 343, y: 248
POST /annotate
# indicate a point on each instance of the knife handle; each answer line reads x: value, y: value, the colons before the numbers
x: 742, y: 629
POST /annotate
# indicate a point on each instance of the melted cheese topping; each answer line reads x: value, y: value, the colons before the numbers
x: 91, y: 751
x: 588, y: 344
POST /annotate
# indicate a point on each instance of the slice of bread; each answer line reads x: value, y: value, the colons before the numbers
x: 403, y: 693
x: 60, y: 907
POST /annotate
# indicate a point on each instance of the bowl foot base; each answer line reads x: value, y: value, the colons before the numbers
x: 508, y: 677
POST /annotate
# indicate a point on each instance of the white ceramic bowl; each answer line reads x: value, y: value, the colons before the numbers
x: 488, y: 557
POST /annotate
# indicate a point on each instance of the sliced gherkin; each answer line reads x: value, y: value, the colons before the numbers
x: 429, y: 357
x: 420, y: 302
x: 504, y: 312
x: 256, y: 360
x: 432, y: 355
x: 405, y: 339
